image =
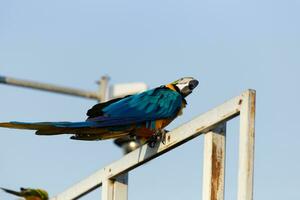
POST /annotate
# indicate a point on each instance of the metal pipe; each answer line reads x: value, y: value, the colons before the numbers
x: 48, y: 87
x: 104, y: 88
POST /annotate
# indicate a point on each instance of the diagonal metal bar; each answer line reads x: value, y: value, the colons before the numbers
x: 49, y: 87
x: 201, y: 124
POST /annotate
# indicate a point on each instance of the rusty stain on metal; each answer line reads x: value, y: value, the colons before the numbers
x: 216, y: 171
x: 246, y: 155
x: 240, y: 101
x: 251, y: 129
x: 252, y: 101
x: 252, y: 113
x: 169, y: 138
x: 214, y: 161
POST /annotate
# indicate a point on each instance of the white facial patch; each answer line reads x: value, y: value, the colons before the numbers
x: 182, y: 85
x: 184, y: 82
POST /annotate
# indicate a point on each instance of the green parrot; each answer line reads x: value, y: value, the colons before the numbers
x: 29, y: 193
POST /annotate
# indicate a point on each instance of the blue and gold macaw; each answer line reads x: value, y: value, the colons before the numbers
x: 143, y: 115
x: 29, y: 193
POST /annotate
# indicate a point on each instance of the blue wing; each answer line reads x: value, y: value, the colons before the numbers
x: 159, y: 103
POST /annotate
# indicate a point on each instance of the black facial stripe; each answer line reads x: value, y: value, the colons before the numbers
x: 176, y: 88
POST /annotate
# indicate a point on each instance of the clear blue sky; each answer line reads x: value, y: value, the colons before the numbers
x: 228, y: 45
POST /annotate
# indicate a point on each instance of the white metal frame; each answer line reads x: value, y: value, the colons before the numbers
x: 113, y: 178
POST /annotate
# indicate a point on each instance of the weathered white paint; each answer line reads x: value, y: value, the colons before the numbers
x: 214, y: 164
x: 201, y: 124
x: 115, y: 189
x: 121, y: 187
x: 107, y: 189
x: 246, y: 146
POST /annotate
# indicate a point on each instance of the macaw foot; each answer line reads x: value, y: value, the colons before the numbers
x: 163, y: 135
x: 152, y: 140
x: 159, y: 135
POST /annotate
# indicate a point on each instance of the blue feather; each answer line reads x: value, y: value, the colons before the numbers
x: 159, y: 103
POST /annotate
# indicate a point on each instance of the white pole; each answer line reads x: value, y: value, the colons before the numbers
x: 121, y: 187
x: 214, y: 164
x: 246, y: 146
x: 107, y: 190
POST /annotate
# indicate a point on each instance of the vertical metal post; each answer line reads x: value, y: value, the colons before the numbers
x: 107, y: 190
x: 121, y: 187
x: 246, y: 146
x: 116, y: 189
x: 214, y: 164
x: 103, y: 88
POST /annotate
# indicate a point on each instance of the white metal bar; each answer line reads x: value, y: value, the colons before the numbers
x: 214, y: 164
x: 246, y: 146
x: 121, y: 187
x: 83, y: 187
x: 176, y: 137
x: 48, y: 87
x: 107, y: 190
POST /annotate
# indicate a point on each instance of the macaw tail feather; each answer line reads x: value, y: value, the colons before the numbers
x: 42, y: 128
x: 87, y: 130
x: 12, y: 192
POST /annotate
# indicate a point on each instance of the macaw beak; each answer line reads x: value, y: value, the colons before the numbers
x: 193, y: 84
x: 188, y: 89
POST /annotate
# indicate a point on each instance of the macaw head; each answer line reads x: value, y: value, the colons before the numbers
x: 29, y: 193
x: 185, y: 85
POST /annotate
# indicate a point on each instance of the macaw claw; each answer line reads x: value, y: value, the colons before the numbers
x: 159, y: 135
x: 163, y: 135
x: 153, y: 140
